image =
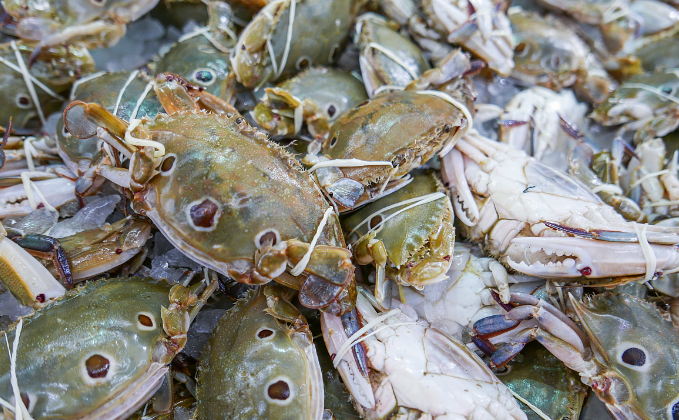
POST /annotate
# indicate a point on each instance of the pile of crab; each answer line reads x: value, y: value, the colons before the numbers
x: 318, y: 209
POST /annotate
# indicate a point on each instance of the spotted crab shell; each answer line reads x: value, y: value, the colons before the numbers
x: 222, y: 184
x: 90, y: 355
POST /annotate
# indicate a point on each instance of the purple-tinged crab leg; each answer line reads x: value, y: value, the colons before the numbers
x: 351, y: 325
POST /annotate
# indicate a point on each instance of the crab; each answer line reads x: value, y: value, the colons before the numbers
x: 646, y: 105
x: 403, y: 350
x: 127, y: 331
x: 551, y: 54
x: 387, y: 58
x: 263, y: 334
x: 29, y: 95
x: 91, y: 24
x: 287, y: 36
x: 626, y: 351
x: 370, y: 149
x: 304, y: 99
x: 407, y: 235
x: 226, y: 214
x: 541, y: 222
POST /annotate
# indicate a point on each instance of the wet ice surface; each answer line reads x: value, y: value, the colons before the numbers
x: 144, y: 38
x: 11, y: 310
x: 169, y: 263
x: 92, y: 216
x: 39, y: 221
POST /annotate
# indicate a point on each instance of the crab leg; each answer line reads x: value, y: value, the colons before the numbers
x: 44, y: 247
x: 577, y: 257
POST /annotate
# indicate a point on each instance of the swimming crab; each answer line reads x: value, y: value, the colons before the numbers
x: 408, y: 235
x: 371, y: 148
x: 550, y: 53
x: 305, y: 99
x: 226, y: 214
x: 260, y: 363
x: 403, y: 350
x: 387, y: 58
x: 127, y: 331
x: 541, y: 222
x: 626, y: 351
x: 31, y: 94
x: 644, y: 104
x: 91, y: 24
x: 287, y: 36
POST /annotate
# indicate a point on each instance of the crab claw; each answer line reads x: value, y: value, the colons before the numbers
x: 577, y: 257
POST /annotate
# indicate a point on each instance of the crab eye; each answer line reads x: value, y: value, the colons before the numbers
x: 98, y: 3
x: 205, y: 77
x: 375, y: 221
x: 633, y: 356
x: 64, y: 132
x: 675, y: 411
x: 303, y: 63
x: 23, y: 101
x: 333, y: 141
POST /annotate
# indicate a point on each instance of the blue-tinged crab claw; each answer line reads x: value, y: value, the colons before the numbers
x: 576, y: 257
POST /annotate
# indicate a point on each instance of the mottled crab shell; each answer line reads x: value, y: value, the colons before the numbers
x: 91, y: 354
x: 406, y: 128
x: 198, y: 61
x: 317, y: 31
x: 256, y: 367
x: 407, y: 234
x: 642, y: 97
x: 222, y: 184
x: 545, y: 382
x: 56, y: 68
x: 640, y: 351
x: 548, y: 53
x: 321, y: 106
x: 123, y: 89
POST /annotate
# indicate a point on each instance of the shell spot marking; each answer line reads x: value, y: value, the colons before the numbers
x: 204, y: 76
x: 98, y: 368
x: 270, y: 237
x: 203, y: 214
x: 265, y: 334
x: 146, y: 321
x: 168, y: 164
x: 278, y: 391
x: 633, y: 356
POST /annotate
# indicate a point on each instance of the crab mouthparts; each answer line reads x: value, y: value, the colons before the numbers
x: 564, y: 257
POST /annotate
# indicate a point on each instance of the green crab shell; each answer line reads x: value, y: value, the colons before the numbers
x: 322, y: 106
x: 405, y: 234
x: 403, y: 127
x: 639, y: 348
x: 545, y: 382
x: 104, y: 90
x: 118, y: 319
x: 383, y: 70
x: 199, y: 62
x: 223, y: 183
x: 320, y: 29
x: 547, y: 52
x: 57, y: 68
x: 665, y: 83
x: 256, y: 367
